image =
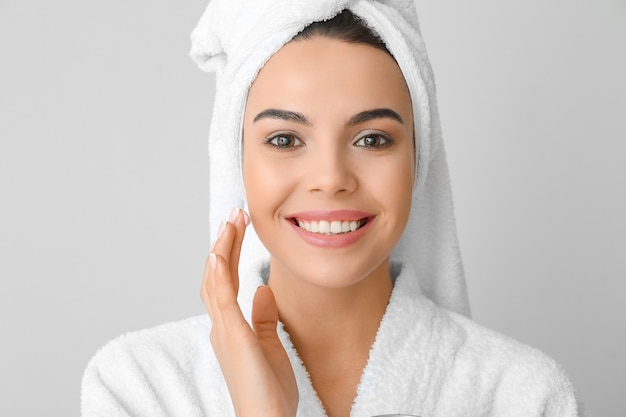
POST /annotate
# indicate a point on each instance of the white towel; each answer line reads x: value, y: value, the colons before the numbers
x: 236, y: 37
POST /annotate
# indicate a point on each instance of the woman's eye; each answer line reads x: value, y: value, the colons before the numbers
x: 284, y: 141
x: 374, y: 141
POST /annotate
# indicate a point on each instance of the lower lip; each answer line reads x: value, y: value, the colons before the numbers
x: 332, y: 241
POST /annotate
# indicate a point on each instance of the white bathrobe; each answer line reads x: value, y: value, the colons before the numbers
x: 426, y: 361
x: 429, y: 359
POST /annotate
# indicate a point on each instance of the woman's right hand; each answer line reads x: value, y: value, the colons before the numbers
x: 255, y: 365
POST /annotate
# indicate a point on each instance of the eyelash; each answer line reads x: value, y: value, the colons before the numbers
x: 294, y: 142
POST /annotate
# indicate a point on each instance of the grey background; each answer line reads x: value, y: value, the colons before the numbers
x: 103, y: 180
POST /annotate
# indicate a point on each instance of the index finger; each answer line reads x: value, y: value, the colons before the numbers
x: 240, y: 220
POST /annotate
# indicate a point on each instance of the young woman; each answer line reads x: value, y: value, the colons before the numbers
x: 325, y: 129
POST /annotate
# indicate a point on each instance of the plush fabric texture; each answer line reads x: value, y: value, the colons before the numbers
x: 236, y: 37
x: 425, y: 361
x: 428, y: 359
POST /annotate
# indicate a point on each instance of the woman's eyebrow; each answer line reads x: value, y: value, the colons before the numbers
x: 368, y: 115
x: 358, y: 118
x: 282, y: 115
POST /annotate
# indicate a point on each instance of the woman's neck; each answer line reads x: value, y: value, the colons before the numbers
x: 310, y: 311
x: 333, y: 330
x: 323, y: 321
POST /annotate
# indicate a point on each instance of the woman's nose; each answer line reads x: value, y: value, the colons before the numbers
x: 331, y: 172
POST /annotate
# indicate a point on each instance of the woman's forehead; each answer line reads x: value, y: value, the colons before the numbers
x: 327, y: 72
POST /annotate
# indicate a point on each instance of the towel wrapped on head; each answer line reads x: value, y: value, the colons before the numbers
x: 235, y: 38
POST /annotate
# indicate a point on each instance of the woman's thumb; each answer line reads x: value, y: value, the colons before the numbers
x: 265, y: 314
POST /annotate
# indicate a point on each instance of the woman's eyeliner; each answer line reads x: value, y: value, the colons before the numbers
x: 373, y: 141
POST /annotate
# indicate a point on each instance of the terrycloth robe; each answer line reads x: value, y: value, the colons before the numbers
x: 426, y: 361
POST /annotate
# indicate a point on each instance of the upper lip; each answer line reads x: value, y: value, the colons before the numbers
x: 329, y: 215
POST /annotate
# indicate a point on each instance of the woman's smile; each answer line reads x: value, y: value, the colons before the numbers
x: 330, y: 222
x: 331, y: 228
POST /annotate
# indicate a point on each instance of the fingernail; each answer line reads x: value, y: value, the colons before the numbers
x: 234, y: 214
x: 212, y: 260
x: 212, y: 245
x: 220, y: 229
x: 246, y: 218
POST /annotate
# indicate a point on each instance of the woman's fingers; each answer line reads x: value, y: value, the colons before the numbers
x: 240, y: 220
x: 264, y: 314
x: 264, y: 322
x: 255, y: 365
x: 221, y: 281
x: 225, y: 240
x: 205, y: 288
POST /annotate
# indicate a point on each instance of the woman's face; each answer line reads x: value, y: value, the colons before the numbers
x: 328, y: 160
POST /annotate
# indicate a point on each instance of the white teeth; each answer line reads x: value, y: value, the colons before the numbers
x: 333, y: 227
